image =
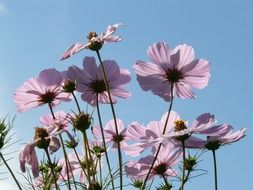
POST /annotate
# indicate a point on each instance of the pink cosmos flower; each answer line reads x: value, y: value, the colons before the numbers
x: 58, y: 125
x: 90, y: 81
x: 221, y: 135
x: 29, y: 156
x: 152, y: 135
x: 110, y: 134
x: 95, y: 41
x: 45, y: 89
x: 178, y: 129
x: 145, y: 137
x: 168, y: 157
x: 44, y: 138
x: 76, y: 168
x: 172, y: 68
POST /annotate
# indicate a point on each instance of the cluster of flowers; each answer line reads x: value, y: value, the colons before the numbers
x: 171, y: 73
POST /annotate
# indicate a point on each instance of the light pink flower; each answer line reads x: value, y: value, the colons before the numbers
x: 45, y: 89
x: 221, y: 135
x: 110, y: 134
x: 105, y: 37
x: 75, y: 166
x: 152, y: 135
x: 146, y: 137
x: 168, y: 156
x: 58, y: 125
x: 90, y: 81
x: 179, y: 130
x: 177, y: 67
x: 27, y: 155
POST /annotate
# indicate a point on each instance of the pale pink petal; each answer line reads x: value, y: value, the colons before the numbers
x: 159, y: 53
x: 73, y: 49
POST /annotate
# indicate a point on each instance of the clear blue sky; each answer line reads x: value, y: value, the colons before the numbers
x: 34, y: 34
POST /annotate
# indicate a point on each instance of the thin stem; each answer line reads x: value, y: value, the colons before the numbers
x: 89, y: 152
x: 66, y: 160
x: 12, y: 174
x: 52, y: 168
x: 159, y: 147
x: 166, y: 182
x: 63, y: 148
x: 215, y: 170
x: 100, y: 172
x: 80, y: 163
x: 183, y: 169
x: 114, y: 118
x: 77, y: 104
x: 104, y: 144
x: 87, y: 159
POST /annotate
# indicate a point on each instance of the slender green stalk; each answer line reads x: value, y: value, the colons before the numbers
x: 9, y: 169
x: 114, y: 118
x: 104, y: 144
x: 85, y: 141
x: 100, y: 172
x: 166, y: 182
x: 66, y: 161
x: 81, y: 164
x: 183, y: 168
x: 77, y: 104
x: 52, y: 169
x: 87, y: 160
x: 159, y: 147
x: 215, y: 171
x: 89, y: 153
x: 63, y: 148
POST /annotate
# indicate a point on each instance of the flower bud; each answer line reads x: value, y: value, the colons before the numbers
x: 213, y: 145
x: 95, y: 44
x: 69, y: 86
x: 41, y: 138
x: 190, y: 162
x: 81, y: 122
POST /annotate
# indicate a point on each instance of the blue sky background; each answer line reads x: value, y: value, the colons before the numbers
x: 34, y: 34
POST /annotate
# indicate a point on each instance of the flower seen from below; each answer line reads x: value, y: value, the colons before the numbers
x: 45, y: 89
x: 95, y: 41
x: 168, y: 157
x: 110, y: 134
x: 90, y: 81
x: 172, y: 69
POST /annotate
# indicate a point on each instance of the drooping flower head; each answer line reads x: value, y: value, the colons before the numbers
x: 44, y: 138
x: 172, y: 69
x: 90, y: 81
x: 45, y: 89
x: 95, y: 41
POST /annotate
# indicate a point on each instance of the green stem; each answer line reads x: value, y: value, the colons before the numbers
x: 215, y: 170
x: 77, y: 104
x: 12, y: 174
x: 159, y: 147
x: 81, y: 164
x: 89, y: 152
x: 66, y: 160
x: 52, y: 169
x: 100, y: 173
x: 87, y: 159
x: 104, y: 144
x: 114, y: 118
x: 166, y: 182
x: 63, y: 148
x: 183, y: 169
